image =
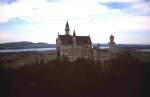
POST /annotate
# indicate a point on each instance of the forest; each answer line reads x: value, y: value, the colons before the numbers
x: 124, y: 76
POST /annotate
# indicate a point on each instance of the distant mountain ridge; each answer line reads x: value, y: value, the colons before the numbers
x: 27, y: 45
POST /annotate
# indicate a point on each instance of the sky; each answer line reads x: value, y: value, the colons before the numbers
x: 41, y: 20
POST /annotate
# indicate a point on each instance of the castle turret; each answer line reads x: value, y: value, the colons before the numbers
x: 58, y: 47
x: 111, y: 38
x: 67, y: 29
x: 74, y: 33
x: 74, y: 38
x: 112, y: 44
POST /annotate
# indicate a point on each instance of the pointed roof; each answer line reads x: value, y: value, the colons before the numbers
x: 111, y: 38
x: 74, y: 33
x: 66, y: 39
x: 83, y: 40
x: 80, y: 40
x: 67, y: 27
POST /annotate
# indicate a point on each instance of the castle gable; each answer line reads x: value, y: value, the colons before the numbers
x: 66, y: 39
x: 80, y: 40
x: 83, y: 40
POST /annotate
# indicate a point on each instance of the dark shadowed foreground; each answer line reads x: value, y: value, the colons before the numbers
x: 120, y: 77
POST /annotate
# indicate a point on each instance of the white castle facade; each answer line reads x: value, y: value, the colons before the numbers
x: 74, y: 47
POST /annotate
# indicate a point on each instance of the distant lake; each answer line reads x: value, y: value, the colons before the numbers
x: 50, y: 49
x: 35, y: 49
x: 144, y: 50
x: 27, y: 50
x: 104, y: 47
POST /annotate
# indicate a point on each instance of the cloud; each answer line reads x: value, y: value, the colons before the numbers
x: 7, y: 1
x: 54, y: 0
x: 43, y: 10
x: 117, y: 5
x: 133, y: 7
x: 120, y: 1
x: 145, y: 0
x: 11, y: 37
x: 46, y: 10
x: 141, y: 8
x: 94, y: 17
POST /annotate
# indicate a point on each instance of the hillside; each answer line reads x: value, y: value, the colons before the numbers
x: 25, y: 45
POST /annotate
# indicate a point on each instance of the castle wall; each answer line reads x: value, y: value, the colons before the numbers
x: 74, y: 52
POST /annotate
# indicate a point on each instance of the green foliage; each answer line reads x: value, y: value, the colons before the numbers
x: 81, y: 78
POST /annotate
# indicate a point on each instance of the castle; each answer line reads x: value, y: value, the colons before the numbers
x: 74, y: 47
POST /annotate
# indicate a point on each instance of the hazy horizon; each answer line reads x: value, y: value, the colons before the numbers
x: 92, y: 43
x: 41, y: 20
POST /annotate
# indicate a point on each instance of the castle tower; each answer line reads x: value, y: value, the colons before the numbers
x: 58, y: 47
x: 74, y: 33
x: 74, y: 44
x: 67, y: 29
x: 111, y: 38
x: 74, y: 37
x: 112, y: 44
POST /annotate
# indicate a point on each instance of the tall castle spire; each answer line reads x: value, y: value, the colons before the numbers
x: 74, y: 33
x: 67, y: 29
